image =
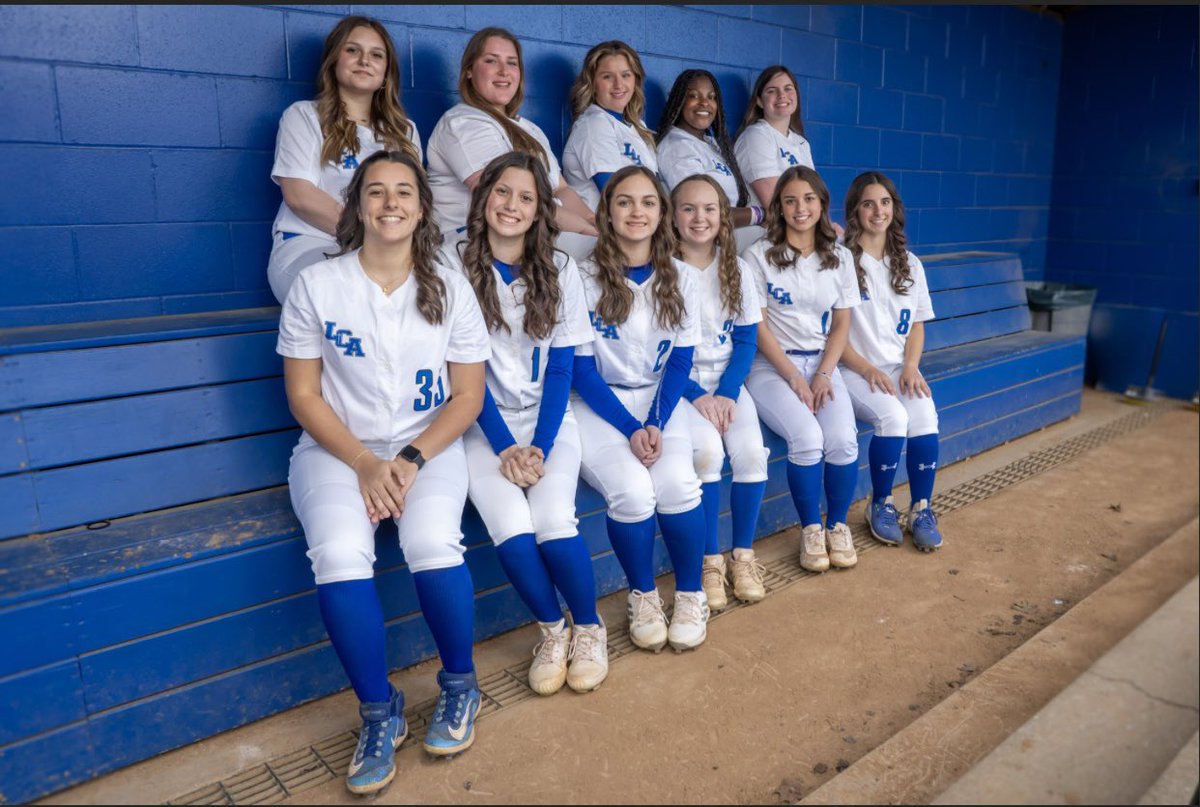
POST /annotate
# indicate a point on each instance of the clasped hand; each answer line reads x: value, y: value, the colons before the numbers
x: 522, y: 466
x: 383, y: 485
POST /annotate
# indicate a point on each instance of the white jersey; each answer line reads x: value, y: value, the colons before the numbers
x: 383, y: 366
x: 800, y: 299
x: 761, y: 151
x: 517, y: 369
x: 716, y: 323
x: 682, y: 154
x: 464, y: 141
x: 298, y: 156
x: 634, y: 353
x: 600, y: 143
x: 880, y: 326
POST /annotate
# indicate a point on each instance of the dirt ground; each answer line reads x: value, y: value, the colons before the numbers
x: 786, y: 693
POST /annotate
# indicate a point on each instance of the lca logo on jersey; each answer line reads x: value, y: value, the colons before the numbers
x: 784, y: 154
x: 349, y: 160
x: 782, y: 297
x: 350, y: 344
x: 724, y: 169
x: 607, y: 331
x: 864, y: 296
x: 632, y: 154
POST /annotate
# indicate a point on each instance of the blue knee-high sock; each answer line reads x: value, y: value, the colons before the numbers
x: 633, y: 544
x: 571, y: 570
x: 884, y: 455
x: 804, y: 481
x: 839, y: 491
x: 683, y: 533
x: 447, y: 598
x: 710, y: 497
x: 524, y: 566
x: 745, y: 500
x: 922, y: 466
x: 354, y: 619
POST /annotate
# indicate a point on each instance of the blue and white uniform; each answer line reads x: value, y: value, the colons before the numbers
x: 296, y: 243
x: 384, y: 373
x: 878, y: 333
x: 602, y: 142
x: 762, y: 152
x: 798, y: 307
x: 681, y: 154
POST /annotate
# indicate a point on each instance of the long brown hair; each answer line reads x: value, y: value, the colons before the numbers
x: 388, y: 119
x: 728, y: 272
x: 754, y: 112
x: 781, y: 253
x: 538, y: 270
x: 895, y: 244
x: 520, y: 139
x: 583, y: 91
x: 426, y: 237
x: 616, y: 298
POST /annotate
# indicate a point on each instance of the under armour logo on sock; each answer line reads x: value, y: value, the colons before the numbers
x: 923, y: 467
x: 886, y: 467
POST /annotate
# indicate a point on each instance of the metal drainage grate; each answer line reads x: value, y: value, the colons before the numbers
x: 279, y: 778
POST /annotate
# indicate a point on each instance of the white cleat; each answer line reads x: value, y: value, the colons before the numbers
x: 812, y: 549
x: 689, y: 622
x: 589, y: 657
x: 747, y: 574
x: 712, y: 580
x: 647, y: 622
x: 841, y: 546
x: 548, y: 672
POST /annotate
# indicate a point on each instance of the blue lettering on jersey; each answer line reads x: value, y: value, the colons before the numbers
x: 607, y: 331
x: 787, y: 155
x: 348, y: 160
x: 350, y: 344
x: 782, y: 297
x: 724, y: 169
x: 726, y: 330
x: 864, y: 296
x: 632, y: 154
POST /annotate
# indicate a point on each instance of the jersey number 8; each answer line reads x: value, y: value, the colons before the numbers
x: 903, y: 325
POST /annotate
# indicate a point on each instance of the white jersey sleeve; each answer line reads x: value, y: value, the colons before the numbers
x: 689, y: 333
x: 763, y: 152
x: 574, y: 327
x: 300, y: 329
x: 601, y: 144
x: 848, y: 295
x: 469, y: 341
x: 920, y: 290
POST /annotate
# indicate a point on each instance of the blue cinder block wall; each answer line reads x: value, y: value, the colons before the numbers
x: 138, y: 140
x: 1126, y: 188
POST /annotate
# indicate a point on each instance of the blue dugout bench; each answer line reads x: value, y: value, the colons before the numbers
x: 153, y: 584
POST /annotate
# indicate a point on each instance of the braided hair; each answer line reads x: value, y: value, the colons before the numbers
x: 674, y: 109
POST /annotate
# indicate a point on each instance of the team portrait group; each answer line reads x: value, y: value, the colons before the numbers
x: 469, y: 316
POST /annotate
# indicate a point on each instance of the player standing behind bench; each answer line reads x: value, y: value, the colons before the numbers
x: 806, y: 283
x: 721, y: 414
x: 320, y: 144
x: 887, y: 336
x: 523, y: 453
x: 635, y: 454
x: 383, y: 364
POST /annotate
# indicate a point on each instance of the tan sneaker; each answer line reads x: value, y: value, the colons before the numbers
x: 712, y: 580
x: 647, y: 622
x: 841, y: 546
x: 589, y: 657
x: 812, y: 549
x: 548, y: 672
x: 747, y: 575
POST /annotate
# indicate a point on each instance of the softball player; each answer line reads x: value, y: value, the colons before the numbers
x: 806, y: 282
x: 772, y: 134
x: 608, y: 132
x: 383, y: 363
x: 523, y: 453
x: 882, y: 360
x: 484, y: 125
x: 321, y: 142
x: 643, y: 307
x: 720, y: 414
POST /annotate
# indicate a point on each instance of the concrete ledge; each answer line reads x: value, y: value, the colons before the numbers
x: 922, y: 761
x: 1178, y: 783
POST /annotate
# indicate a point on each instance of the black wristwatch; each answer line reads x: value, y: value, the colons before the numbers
x: 412, y: 454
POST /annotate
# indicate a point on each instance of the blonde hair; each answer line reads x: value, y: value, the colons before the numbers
x: 728, y: 272
x: 583, y: 91
x: 520, y: 139
x: 388, y: 119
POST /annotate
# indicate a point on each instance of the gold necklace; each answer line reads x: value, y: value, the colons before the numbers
x: 388, y: 287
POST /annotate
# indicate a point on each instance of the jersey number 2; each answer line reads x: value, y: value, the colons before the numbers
x: 663, y: 347
x: 905, y: 317
x: 428, y: 398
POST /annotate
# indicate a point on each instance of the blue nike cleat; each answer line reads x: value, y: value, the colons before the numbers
x: 374, y: 762
x: 884, y: 522
x: 453, y: 726
x: 922, y: 523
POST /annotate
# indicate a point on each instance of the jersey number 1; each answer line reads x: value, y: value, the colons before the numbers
x: 429, y: 397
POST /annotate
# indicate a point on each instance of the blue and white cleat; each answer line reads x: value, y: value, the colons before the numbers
x: 374, y: 762
x: 922, y: 523
x: 453, y: 726
x: 884, y: 522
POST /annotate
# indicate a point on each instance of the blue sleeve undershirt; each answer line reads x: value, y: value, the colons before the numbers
x: 670, y: 386
x: 601, y: 179
x: 745, y: 345
x: 556, y: 389
x: 493, y: 425
x: 599, y: 396
x: 693, y: 390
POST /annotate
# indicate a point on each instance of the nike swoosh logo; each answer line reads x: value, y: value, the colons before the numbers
x: 355, y: 767
x: 461, y: 731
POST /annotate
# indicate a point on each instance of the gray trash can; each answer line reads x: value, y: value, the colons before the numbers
x: 1064, y: 308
